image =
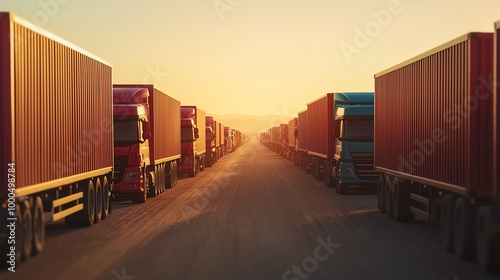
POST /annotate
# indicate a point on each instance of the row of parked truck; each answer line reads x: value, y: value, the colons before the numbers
x: 332, y: 139
x: 427, y: 139
x: 71, y: 139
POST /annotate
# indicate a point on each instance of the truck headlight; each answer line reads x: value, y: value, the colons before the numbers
x: 131, y: 176
x: 347, y: 170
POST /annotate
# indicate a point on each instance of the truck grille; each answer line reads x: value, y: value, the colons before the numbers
x: 365, y: 167
x: 119, y: 168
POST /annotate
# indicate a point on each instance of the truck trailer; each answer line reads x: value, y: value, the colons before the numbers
x: 193, y: 140
x: 436, y: 143
x: 303, y: 158
x: 57, y: 136
x: 214, y: 141
x: 340, y: 140
x: 147, y: 142
x: 291, y: 140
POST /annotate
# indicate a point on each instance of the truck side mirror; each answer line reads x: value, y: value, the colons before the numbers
x: 146, y: 130
x: 196, y: 133
x: 146, y: 135
x: 146, y: 126
x: 336, y: 129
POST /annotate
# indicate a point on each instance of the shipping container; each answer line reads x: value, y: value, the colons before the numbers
x: 440, y: 108
x: 57, y: 140
x: 435, y: 143
x: 303, y: 158
x: 320, y: 139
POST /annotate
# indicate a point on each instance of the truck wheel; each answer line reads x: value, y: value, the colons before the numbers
x: 152, y: 190
x: 202, y: 163
x: 139, y: 197
x: 380, y: 195
x: 208, y: 161
x: 388, y: 196
x: 328, y: 176
x: 105, y: 198
x: 176, y: 173
x: 38, y: 227
x: 98, y: 201
x: 488, y: 239
x: 446, y: 221
x: 401, y: 201
x: 464, y: 223
x: 169, y: 176
x: 27, y: 228
x: 19, y: 234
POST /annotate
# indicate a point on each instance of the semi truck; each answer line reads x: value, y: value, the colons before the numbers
x: 147, y: 145
x: 291, y: 140
x: 193, y: 140
x: 57, y: 136
x: 340, y: 140
x: 302, y: 156
x: 227, y: 142
x: 436, y: 143
x: 214, y: 140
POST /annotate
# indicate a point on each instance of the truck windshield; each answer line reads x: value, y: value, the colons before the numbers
x: 187, y: 134
x: 358, y: 129
x: 126, y: 133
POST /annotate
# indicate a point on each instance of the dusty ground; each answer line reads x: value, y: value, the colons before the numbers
x: 252, y: 216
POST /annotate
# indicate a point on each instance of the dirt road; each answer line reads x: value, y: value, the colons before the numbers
x: 253, y: 215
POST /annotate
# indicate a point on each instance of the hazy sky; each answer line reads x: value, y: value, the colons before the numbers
x: 256, y: 57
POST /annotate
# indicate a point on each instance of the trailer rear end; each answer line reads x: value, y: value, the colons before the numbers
x: 302, y: 140
x: 320, y: 137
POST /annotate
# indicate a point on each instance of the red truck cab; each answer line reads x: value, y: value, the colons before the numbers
x: 192, y: 140
x: 131, y: 144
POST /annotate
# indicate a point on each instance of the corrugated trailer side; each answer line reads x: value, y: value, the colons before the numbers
x: 435, y: 144
x: 320, y: 137
x: 320, y: 126
x: 57, y: 128
x: 496, y: 120
x: 220, y: 135
x: 302, y: 130
x: 167, y: 127
x: 433, y: 117
x: 201, y: 124
x: 292, y: 124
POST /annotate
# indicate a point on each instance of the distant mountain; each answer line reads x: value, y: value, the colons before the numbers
x: 251, y: 125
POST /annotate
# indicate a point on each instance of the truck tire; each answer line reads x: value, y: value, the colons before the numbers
x: 105, y: 198
x: 19, y: 234
x: 98, y: 201
x: 85, y: 217
x: 380, y: 194
x: 401, y: 201
x: 27, y: 228
x: 446, y: 221
x: 464, y: 223
x: 328, y: 175
x: 152, y: 190
x: 38, y: 226
x: 388, y: 196
x: 488, y: 238
x: 208, y: 160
